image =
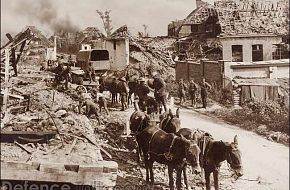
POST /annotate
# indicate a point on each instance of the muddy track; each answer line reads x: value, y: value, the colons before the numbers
x: 266, y: 163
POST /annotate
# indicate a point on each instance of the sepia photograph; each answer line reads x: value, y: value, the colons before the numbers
x: 144, y: 95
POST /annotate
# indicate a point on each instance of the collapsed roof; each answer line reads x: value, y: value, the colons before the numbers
x: 244, y: 16
x: 32, y: 33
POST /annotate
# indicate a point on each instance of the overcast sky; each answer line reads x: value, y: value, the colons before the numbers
x: 48, y: 15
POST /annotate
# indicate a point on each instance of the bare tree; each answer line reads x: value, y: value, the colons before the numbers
x: 107, y: 22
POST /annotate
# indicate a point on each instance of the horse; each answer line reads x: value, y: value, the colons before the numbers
x: 148, y: 104
x: 138, y: 121
x: 170, y: 123
x: 132, y: 89
x: 151, y: 105
x: 215, y: 152
x: 109, y: 83
x: 168, y: 149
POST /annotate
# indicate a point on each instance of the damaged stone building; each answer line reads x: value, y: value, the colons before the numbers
x: 233, y: 40
x: 202, y: 33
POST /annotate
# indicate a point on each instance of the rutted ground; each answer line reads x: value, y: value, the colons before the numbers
x: 266, y: 163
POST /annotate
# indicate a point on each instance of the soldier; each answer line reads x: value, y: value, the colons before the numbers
x: 67, y: 76
x: 114, y: 90
x: 142, y: 92
x: 91, y: 107
x: 124, y: 91
x: 192, y: 92
x: 90, y: 72
x: 204, y: 87
x: 58, y: 71
x: 181, y: 91
x: 103, y: 103
x: 160, y: 92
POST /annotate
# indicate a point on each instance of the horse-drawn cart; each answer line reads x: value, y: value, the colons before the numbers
x: 79, y: 77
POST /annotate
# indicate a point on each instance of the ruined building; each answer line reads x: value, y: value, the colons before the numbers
x: 210, y: 28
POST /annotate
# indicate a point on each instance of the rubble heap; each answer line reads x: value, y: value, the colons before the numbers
x: 153, y: 54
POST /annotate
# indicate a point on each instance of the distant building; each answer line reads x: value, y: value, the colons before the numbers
x: 117, y: 45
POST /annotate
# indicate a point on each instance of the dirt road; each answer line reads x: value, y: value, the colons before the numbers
x: 266, y: 164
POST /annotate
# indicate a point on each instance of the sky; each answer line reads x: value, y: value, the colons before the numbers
x: 49, y: 15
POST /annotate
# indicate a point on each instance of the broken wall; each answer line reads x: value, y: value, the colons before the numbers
x: 119, y: 53
x: 212, y: 71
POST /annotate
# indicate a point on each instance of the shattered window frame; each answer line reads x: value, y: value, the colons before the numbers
x: 237, y: 53
x: 257, y: 52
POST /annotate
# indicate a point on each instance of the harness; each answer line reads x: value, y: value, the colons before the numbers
x: 206, y: 145
x: 140, y: 124
x: 230, y: 161
x: 167, y: 155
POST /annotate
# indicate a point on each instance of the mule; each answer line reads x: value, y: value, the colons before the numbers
x: 148, y: 104
x: 216, y: 152
x: 138, y: 121
x: 168, y: 149
x: 132, y: 89
x: 109, y: 83
x: 170, y: 123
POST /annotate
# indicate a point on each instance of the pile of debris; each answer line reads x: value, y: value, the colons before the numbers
x: 53, y: 134
x: 153, y: 54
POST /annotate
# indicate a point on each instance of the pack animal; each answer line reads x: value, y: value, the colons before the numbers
x: 170, y: 123
x: 168, y: 149
x: 138, y: 122
x: 109, y: 83
x: 215, y: 152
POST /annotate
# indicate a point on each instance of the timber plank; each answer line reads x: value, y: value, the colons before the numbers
x: 59, y: 172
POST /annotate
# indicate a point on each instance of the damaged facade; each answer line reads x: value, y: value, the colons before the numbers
x: 242, y: 37
x: 117, y: 45
x: 208, y: 23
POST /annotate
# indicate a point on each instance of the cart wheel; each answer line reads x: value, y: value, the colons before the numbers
x: 81, y: 89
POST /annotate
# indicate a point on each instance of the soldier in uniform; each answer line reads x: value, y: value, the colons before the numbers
x: 192, y: 92
x: 204, y: 87
x: 91, y: 107
x: 58, y: 71
x: 124, y: 91
x: 142, y: 92
x: 67, y: 76
x: 90, y: 72
x: 182, y: 91
x: 103, y: 104
x: 160, y: 91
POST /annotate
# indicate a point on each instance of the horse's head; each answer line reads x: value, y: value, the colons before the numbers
x: 233, y: 157
x: 138, y: 121
x: 192, y: 152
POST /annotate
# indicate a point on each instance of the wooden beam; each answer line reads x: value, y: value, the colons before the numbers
x: 94, y: 143
x: 21, y: 50
x: 23, y: 147
x: 103, y: 172
x: 27, y: 133
x: 6, y: 91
